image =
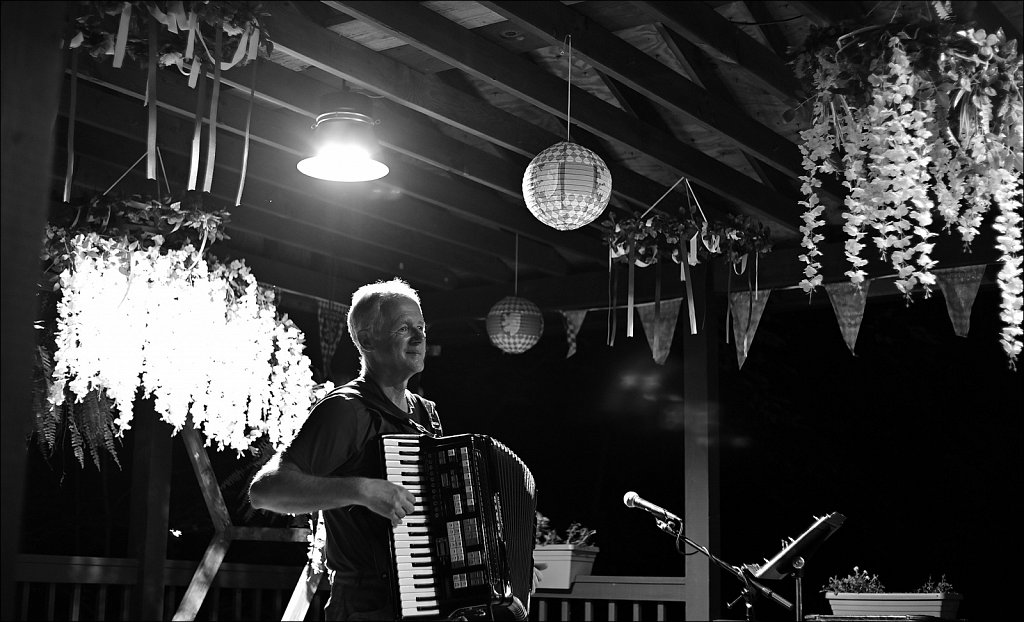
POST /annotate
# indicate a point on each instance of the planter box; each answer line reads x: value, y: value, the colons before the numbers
x: 565, y: 563
x: 942, y: 606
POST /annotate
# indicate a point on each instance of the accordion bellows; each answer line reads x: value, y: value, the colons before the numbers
x: 467, y: 548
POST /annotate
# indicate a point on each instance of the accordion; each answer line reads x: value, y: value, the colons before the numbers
x: 466, y: 551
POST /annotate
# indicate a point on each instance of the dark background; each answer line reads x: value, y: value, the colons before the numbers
x: 916, y: 440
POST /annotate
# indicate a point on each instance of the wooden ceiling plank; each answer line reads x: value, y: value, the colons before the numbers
x: 690, y: 57
x: 552, y: 21
x: 702, y: 25
x: 430, y: 96
x: 272, y: 128
x: 771, y: 31
x: 824, y: 14
x: 487, y: 61
x: 263, y: 223
x: 107, y: 112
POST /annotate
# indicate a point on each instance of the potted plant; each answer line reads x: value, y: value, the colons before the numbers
x: 566, y: 557
x: 862, y: 594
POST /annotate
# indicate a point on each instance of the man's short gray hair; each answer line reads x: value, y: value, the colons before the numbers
x: 367, y: 302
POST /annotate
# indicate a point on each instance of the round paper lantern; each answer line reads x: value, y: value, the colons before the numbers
x: 514, y: 324
x: 567, y: 186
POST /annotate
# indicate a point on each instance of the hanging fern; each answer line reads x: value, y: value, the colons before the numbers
x: 95, y: 419
x: 76, y: 441
x: 46, y: 416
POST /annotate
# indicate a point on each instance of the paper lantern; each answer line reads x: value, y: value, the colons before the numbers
x: 567, y: 186
x: 514, y: 324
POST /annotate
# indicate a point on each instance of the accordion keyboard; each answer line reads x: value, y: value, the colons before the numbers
x: 467, y: 546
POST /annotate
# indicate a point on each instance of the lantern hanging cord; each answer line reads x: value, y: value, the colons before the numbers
x: 568, y: 96
x: 516, y: 286
x: 665, y: 195
x: 696, y: 200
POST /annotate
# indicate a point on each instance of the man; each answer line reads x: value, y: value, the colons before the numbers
x: 333, y: 464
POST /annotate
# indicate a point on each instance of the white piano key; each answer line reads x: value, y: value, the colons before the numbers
x: 412, y: 566
x: 421, y: 611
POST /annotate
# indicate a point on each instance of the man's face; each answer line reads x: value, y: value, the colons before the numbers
x: 401, y: 347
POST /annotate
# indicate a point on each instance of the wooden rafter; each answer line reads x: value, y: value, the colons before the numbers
x: 702, y: 25
x: 552, y: 21
x: 490, y: 62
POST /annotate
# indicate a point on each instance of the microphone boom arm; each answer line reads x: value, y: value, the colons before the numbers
x: 742, y: 574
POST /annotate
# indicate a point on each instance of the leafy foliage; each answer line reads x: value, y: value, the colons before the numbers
x: 661, y: 237
x: 95, y: 30
x: 545, y: 533
x: 931, y: 587
x: 858, y: 582
x: 918, y: 117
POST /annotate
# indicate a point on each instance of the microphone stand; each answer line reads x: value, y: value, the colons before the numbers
x: 750, y: 585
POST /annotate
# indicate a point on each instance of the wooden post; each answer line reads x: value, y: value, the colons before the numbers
x: 31, y: 79
x: 150, y: 498
x: 701, y: 449
x: 225, y: 532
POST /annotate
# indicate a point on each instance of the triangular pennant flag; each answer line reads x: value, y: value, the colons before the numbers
x: 848, y: 301
x: 660, y: 332
x: 746, y: 308
x: 959, y: 288
x: 573, y: 321
x: 331, y: 317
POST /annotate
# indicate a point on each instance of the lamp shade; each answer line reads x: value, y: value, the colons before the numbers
x: 567, y: 186
x: 514, y: 324
x: 346, y: 145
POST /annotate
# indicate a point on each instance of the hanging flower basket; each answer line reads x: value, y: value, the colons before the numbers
x: 921, y: 119
x: 138, y: 310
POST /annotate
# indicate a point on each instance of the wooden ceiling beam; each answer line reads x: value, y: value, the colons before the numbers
x: 702, y: 25
x: 275, y: 128
x: 309, y: 208
x: 768, y: 26
x: 552, y: 21
x: 465, y: 50
x: 96, y: 158
x: 431, y: 96
x: 825, y: 14
x: 417, y: 139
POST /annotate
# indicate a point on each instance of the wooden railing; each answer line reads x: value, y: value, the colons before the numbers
x: 102, y: 588
x: 598, y: 598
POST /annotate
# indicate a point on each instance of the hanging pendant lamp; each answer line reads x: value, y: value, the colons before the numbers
x: 346, y: 145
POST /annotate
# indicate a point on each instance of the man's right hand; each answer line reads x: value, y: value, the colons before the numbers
x: 390, y: 500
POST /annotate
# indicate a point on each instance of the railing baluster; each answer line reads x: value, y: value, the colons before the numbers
x: 661, y: 612
x: 636, y: 611
x: 101, y: 603
x: 126, y: 596
x: 588, y: 610
x: 613, y: 611
x: 25, y: 589
x: 51, y: 600
x: 214, y: 603
x: 76, y: 601
x: 565, y: 609
x: 542, y: 610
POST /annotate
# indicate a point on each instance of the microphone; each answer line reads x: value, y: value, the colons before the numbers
x: 633, y: 500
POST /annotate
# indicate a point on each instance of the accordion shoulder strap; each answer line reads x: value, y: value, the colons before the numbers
x: 435, y: 421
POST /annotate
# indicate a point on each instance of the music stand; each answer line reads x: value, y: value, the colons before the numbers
x: 793, y: 556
